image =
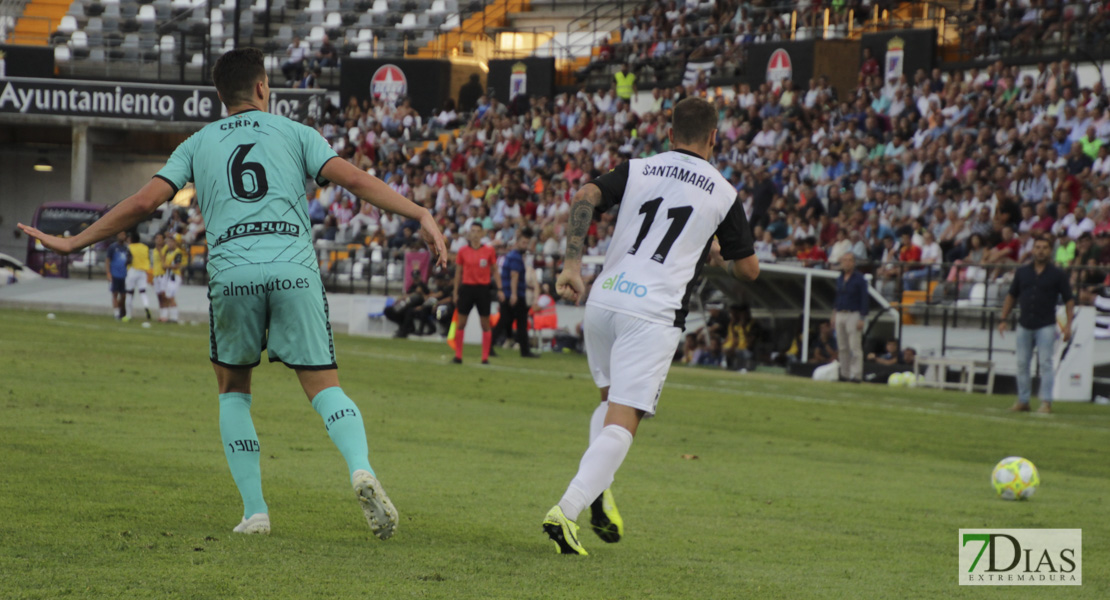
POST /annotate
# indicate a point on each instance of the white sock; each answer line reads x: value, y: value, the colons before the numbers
x: 163, y: 313
x: 131, y: 304
x: 597, y: 421
x: 146, y: 301
x: 173, y: 313
x: 596, y: 471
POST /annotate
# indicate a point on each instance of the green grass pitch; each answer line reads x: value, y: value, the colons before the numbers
x: 114, y: 484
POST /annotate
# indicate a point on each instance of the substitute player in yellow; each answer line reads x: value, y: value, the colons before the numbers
x: 264, y: 284
x: 138, y: 275
x: 173, y: 261
x: 158, y: 271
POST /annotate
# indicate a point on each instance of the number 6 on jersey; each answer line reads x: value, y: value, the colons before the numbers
x: 247, y: 179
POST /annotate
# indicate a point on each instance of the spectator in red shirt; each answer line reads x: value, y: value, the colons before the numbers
x: 1008, y: 250
x: 908, y: 252
x: 458, y: 162
x: 811, y: 253
x: 1044, y: 221
x: 870, y: 66
x: 512, y: 149
x: 475, y: 269
x: 1067, y: 188
x: 528, y: 209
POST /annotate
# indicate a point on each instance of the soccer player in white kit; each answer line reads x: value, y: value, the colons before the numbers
x: 672, y: 206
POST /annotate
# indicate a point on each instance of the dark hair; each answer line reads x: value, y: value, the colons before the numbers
x: 236, y: 73
x: 693, y: 121
x: 527, y: 233
x: 134, y: 236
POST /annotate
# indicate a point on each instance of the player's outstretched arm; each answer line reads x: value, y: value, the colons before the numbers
x: 122, y: 217
x: 376, y: 192
x: 569, y: 285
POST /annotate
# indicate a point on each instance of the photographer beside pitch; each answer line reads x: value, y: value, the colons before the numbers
x: 1035, y: 289
x: 265, y: 288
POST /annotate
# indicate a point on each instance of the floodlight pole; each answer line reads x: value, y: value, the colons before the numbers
x: 207, y: 43
x: 805, y: 318
x: 80, y: 165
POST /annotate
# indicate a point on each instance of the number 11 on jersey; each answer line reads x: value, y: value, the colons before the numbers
x: 678, y: 216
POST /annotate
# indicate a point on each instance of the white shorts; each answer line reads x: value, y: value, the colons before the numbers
x: 629, y: 355
x: 170, y: 284
x: 136, y: 280
x: 159, y: 284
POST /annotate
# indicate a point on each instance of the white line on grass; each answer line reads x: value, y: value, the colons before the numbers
x: 122, y: 328
x: 888, y: 403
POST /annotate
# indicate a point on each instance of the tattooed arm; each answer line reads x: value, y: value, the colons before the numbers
x: 581, y: 215
x: 569, y: 284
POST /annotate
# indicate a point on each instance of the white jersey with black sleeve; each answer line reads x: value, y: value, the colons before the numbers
x: 671, y: 206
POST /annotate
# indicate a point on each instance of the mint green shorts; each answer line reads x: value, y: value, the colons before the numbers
x: 277, y: 307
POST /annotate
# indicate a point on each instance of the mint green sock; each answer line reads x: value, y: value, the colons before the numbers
x: 242, y: 450
x: 344, y: 424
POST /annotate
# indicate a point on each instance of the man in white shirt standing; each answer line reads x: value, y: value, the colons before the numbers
x: 1080, y: 223
x: 293, y: 67
x: 766, y: 138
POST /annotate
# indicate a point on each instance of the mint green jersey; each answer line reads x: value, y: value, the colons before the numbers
x: 250, y: 170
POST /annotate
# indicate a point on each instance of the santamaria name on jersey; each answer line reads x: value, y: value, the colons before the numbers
x: 683, y: 175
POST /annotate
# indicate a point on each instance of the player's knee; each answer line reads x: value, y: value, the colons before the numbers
x: 233, y: 380
x: 624, y: 416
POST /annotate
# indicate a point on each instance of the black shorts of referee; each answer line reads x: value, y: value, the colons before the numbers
x: 471, y: 296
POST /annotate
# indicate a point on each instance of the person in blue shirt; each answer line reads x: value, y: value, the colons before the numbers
x: 849, y: 315
x: 876, y: 230
x: 316, y: 211
x: 118, y: 259
x: 1060, y: 142
x: 514, y: 308
x: 1037, y: 288
x: 836, y: 170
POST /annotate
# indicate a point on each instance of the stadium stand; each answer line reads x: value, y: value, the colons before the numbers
x: 938, y: 181
x: 146, y: 38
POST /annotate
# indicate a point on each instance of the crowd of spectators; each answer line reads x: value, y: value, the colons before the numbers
x: 933, y: 177
x: 936, y: 176
x: 661, y: 37
x: 995, y: 28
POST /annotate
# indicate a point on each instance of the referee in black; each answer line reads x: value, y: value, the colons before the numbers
x: 1036, y: 289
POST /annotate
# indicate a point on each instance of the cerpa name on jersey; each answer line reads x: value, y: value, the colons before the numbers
x: 683, y: 175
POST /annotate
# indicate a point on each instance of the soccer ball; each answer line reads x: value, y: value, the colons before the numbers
x: 896, y: 379
x: 1015, y: 478
x: 909, y: 379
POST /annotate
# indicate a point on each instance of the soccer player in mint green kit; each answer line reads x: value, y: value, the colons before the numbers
x: 264, y: 283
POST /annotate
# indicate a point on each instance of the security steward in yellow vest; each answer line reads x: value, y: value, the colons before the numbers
x: 625, y: 83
